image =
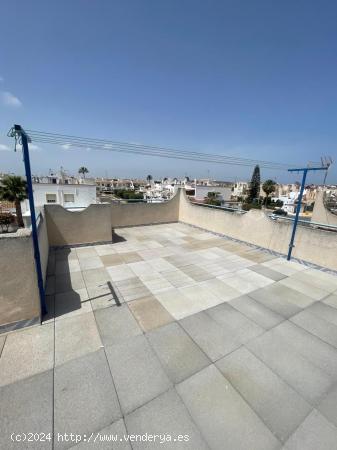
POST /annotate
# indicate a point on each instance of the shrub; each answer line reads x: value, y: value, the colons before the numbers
x: 280, y: 212
x: 249, y: 206
x: 246, y: 206
x: 6, y: 219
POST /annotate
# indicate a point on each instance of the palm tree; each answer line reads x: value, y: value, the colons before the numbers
x: 83, y: 170
x: 149, y: 178
x: 269, y: 186
x: 14, y: 189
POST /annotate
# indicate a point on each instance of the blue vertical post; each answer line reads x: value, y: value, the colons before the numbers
x: 37, y: 258
x: 298, y: 209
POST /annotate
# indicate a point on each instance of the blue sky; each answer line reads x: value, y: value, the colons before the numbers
x: 256, y: 79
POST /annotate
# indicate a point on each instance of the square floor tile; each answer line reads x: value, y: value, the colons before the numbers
x: 268, y: 272
x: 112, y: 260
x: 304, y: 375
x: 137, y: 372
x: 118, y: 434
x: 103, y: 295
x: 179, y: 355
x: 86, y: 252
x: 68, y: 282
x: 256, y: 312
x: 304, y: 287
x: 222, y: 415
x: 317, y: 326
x: 150, y: 313
x: 281, y: 299
x: 116, y: 324
x: 85, y: 397
x: 72, y: 303
x: 26, y: 353
x: 328, y: 405
x: 265, y: 392
x: 165, y: 414
x: 121, y: 272
x: 212, y: 338
x: 242, y: 329
x: 96, y: 277
x: 220, y: 289
x: 27, y: 407
x: 93, y: 262
x: 314, y: 433
x: 75, y: 337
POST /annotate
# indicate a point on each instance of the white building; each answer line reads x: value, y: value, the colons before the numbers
x: 202, y: 191
x: 289, y: 200
x: 69, y: 192
x: 240, y: 189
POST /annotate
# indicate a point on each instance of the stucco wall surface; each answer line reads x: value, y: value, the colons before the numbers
x: 90, y: 225
x: 19, y: 299
x: 129, y: 214
x: 321, y: 214
x: 315, y: 246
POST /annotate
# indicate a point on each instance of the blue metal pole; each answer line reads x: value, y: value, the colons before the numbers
x: 33, y: 220
x: 298, y: 209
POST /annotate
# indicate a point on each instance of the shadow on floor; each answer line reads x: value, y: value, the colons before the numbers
x: 116, y: 238
x: 66, y: 291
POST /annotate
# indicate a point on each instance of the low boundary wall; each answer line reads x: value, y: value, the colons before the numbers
x: 19, y: 294
x: 315, y: 246
x: 88, y: 226
x: 321, y: 214
x: 131, y: 214
x: 95, y: 223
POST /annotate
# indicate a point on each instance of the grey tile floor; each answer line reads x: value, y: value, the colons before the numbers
x: 173, y: 331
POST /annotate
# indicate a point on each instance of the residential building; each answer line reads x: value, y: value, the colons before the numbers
x: 240, y: 189
x: 67, y: 191
x: 202, y: 191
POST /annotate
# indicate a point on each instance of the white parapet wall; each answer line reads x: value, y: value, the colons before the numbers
x: 87, y: 226
x: 321, y: 214
x: 312, y: 245
x: 131, y: 214
x: 19, y: 294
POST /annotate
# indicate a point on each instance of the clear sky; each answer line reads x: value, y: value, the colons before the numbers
x: 250, y: 78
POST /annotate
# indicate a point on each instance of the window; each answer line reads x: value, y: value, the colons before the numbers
x: 51, y: 198
x: 69, y: 198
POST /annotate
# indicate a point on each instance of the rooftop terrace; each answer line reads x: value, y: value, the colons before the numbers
x: 174, y: 330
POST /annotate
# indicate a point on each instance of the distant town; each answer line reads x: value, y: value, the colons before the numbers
x: 76, y: 192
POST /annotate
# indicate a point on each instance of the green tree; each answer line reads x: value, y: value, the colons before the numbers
x: 268, y: 187
x: 149, y: 178
x: 254, y: 188
x: 14, y: 189
x: 213, y: 199
x: 83, y: 170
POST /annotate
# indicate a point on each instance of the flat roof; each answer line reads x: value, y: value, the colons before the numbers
x: 176, y: 331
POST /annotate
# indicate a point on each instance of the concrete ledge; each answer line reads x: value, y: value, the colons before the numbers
x: 314, y: 246
x: 131, y: 214
x: 19, y: 297
x: 267, y: 250
x: 146, y: 224
x: 20, y: 324
x: 320, y: 213
x: 90, y: 225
